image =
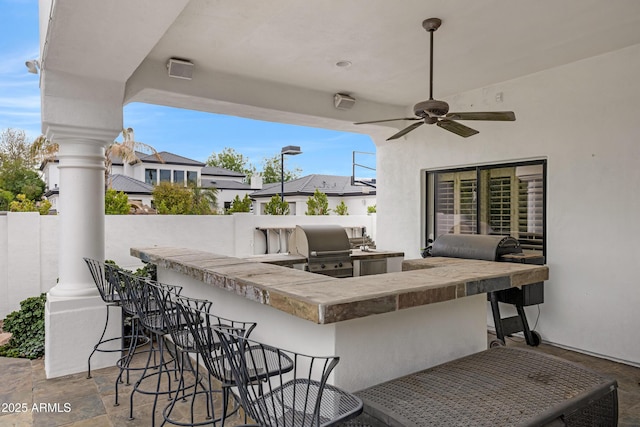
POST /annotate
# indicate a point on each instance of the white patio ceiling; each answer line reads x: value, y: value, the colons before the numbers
x: 269, y: 54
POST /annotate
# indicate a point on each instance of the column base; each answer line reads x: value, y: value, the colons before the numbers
x: 72, y: 328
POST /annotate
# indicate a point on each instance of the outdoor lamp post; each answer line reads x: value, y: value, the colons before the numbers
x: 290, y: 150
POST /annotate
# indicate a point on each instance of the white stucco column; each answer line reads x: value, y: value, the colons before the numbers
x: 80, y: 209
x: 75, y: 313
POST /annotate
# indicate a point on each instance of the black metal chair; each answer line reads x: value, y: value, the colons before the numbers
x: 202, y: 325
x: 103, y: 277
x: 273, y: 394
x: 136, y: 337
x: 166, y: 298
x: 151, y: 317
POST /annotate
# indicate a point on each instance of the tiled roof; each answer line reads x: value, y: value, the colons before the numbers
x: 225, y: 184
x: 213, y: 170
x: 331, y: 185
x: 129, y: 185
x: 169, y: 158
x: 119, y: 183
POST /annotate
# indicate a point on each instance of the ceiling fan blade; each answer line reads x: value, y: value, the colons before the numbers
x: 388, y: 120
x: 457, y: 128
x: 505, y: 116
x: 405, y: 130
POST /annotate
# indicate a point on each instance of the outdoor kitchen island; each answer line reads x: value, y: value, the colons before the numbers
x: 382, y: 326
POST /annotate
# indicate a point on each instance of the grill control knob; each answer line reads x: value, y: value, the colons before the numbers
x: 339, y: 264
x: 322, y: 266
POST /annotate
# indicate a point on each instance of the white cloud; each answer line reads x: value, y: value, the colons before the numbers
x: 24, y: 102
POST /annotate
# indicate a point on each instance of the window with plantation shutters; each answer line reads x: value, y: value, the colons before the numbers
x: 468, y: 209
x: 499, y: 199
x: 444, y: 205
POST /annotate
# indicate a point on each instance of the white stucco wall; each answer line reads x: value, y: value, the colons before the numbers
x: 445, y: 331
x: 29, y: 247
x: 582, y: 118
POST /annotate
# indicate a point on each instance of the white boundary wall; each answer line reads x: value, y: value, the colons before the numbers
x: 29, y: 242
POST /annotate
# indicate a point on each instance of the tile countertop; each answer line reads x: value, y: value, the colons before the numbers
x: 322, y: 299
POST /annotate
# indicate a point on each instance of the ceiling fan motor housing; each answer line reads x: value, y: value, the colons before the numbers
x: 431, y: 108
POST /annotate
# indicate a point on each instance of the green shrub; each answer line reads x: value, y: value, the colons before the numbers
x: 23, y: 204
x: 240, y: 205
x: 116, y: 203
x: 318, y: 204
x: 276, y: 206
x: 27, y: 327
x: 342, y: 209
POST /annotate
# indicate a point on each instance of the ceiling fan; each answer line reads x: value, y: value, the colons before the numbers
x: 433, y: 111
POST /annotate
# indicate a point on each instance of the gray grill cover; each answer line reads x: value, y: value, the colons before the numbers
x: 475, y: 246
x: 313, y: 240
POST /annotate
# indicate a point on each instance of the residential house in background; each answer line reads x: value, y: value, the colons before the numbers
x: 338, y: 189
x: 137, y: 178
x: 229, y: 184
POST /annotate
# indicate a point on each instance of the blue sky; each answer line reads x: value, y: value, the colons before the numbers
x: 188, y: 133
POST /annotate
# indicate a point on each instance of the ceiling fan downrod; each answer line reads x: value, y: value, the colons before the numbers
x: 431, y: 25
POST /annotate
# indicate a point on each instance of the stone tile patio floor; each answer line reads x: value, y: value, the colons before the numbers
x: 90, y: 401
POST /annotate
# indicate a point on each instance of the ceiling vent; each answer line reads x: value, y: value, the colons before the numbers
x: 343, y: 102
x: 180, y: 69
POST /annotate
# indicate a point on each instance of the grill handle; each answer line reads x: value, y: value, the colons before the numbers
x: 328, y: 253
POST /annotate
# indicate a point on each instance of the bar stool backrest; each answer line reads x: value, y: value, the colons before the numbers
x: 114, y: 275
x: 147, y: 307
x: 166, y: 297
x: 289, y: 389
x: 105, y: 288
x: 197, y: 315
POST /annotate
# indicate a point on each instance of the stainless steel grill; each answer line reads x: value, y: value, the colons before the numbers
x: 326, y: 248
x: 497, y: 248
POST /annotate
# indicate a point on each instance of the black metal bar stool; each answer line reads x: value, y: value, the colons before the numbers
x: 203, y: 326
x: 136, y: 336
x: 201, y: 388
x: 278, y: 387
x: 102, y: 274
x: 159, y: 356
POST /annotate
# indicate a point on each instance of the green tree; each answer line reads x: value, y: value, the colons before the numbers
x: 230, y: 159
x: 342, y: 209
x: 240, y: 205
x: 22, y: 204
x: 116, y: 203
x: 6, y: 197
x: 276, y: 206
x: 172, y: 199
x: 19, y: 179
x: 318, y: 204
x: 271, y: 171
x: 43, y: 149
x: 15, y: 149
x: 205, y: 201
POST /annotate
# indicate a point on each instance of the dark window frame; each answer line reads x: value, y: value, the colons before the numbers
x: 175, y: 177
x: 167, y: 173
x: 430, y: 199
x: 151, y: 176
x: 192, y: 181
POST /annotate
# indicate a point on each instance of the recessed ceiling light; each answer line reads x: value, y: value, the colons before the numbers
x: 343, y: 64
